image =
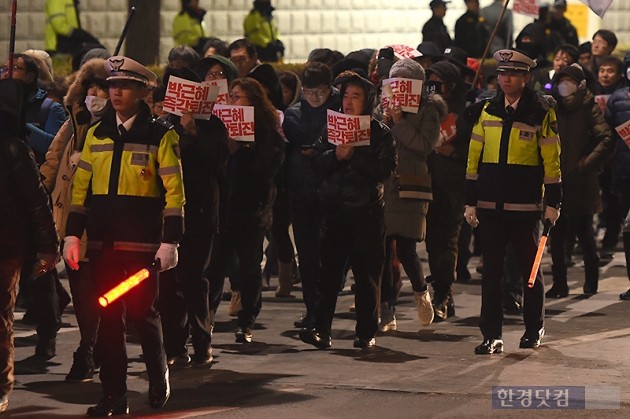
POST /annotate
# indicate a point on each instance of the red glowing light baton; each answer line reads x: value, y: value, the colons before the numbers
x: 125, y: 286
x: 539, y: 254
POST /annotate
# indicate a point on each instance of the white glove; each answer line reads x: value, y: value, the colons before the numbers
x: 71, y: 251
x: 470, y: 214
x: 167, y: 255
x: 552, y: 214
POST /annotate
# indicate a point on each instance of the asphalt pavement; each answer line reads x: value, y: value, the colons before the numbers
x: 580, y: 370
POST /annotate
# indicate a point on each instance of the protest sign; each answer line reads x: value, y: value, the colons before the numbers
x: 223, y: 97
x: 526, y: 7
x: 624, y: 132
x: 404, y: 51
x: 405, y: 93
x: 348, y: 129
x: 188, y: 96
x: 239, y: 121
x: 602, y: 100
x: 448, y: 129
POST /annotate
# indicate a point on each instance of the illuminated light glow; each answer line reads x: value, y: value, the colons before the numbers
x: 122, y: 288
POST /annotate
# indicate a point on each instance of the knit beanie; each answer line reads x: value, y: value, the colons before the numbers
x: 408, y: 69
x: 574, y: 71
x: 446, y: 71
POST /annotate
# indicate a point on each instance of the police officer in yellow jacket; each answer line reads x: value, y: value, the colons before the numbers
x: 128, y: 191
x: 189, y: 27
x: 514, y: 155
x: 262, y: 30
x: 63, y: 32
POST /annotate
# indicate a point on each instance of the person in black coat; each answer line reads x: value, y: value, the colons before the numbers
x: 354, y: 222
x: 26, y: 223
x: 434, y: 30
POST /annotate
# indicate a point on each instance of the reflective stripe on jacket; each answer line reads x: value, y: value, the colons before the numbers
x: 510, y: 158
x: 61, y: 19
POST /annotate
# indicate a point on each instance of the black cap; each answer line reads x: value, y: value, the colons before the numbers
x: 436, y: 3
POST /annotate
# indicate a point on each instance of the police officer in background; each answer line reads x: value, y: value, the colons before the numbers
x: 514, y: 151
x: 130, y: 178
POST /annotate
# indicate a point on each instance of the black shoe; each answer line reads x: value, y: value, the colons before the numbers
x: 110, y: 406
x: 364, y: 343
x: 490, y: 346
x: 159, y: 391
x: 463, y: 275
x: 203, y: 357
x: 590, y: 288
x: 303, y: 321
x: 182, y: 360
x: 46, y: 348
x: 558, y: 291
x: 625, y: 295
x: 531, y: 341
x: 243, y: 335
x: 315, y: 338
x: 82, y: 369
x: 443, y: 308
x: 605, y: 257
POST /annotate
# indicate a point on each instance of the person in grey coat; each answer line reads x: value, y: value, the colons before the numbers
x: 408, y: 193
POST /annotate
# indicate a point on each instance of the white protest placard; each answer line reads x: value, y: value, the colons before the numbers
x: 526, y: 7
x: 239, y: 121
x: 624, y: 132
x: 348, y: 129
x: 405, y: 93
x: 188, y: 96
x: 602, y: 100
x: 404, y: 51
x: 223, y: 97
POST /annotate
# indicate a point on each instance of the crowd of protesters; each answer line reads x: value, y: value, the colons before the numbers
x: 362, y: 208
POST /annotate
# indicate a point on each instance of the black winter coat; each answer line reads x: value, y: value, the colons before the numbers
x: 26, y: 223
x: 356, y: 184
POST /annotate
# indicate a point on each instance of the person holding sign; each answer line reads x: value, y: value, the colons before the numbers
x: 251, y: 169
x: 514, y: 151
x: 587, y: 143
x: 617, y: 114
x: 408, y: 191
x: 354, y: 224
x: 129, y: 176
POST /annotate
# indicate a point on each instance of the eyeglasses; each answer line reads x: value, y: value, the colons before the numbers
x: 235, y: 98
x: 214, y: 74
x: 5, y: 70
x: 322, y: 92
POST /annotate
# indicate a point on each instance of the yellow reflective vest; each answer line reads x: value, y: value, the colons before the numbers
x: 187, y: 30
x: 128, y: 188
x: 510, y: 158
x: 259, y: 30
x: 61, y: 19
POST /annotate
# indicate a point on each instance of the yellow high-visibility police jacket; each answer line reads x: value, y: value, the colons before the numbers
x: 260, y: 30
x: 128, y: 188
x: 61, y: 19
x: 187, y: 30
x: 510, y: 158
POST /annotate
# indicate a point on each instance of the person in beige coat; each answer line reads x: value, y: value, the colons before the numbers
x: 86, y: 101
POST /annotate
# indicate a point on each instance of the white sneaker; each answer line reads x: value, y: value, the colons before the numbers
x: 387, y: 320
x: 424, y: 306
x: 235, y: 304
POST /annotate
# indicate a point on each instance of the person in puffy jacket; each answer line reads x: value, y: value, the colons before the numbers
x: 352, y: 200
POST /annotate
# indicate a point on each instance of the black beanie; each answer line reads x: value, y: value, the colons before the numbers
x: 574, y: 71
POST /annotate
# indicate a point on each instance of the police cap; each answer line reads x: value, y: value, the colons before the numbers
x: 512, y: 60
x: 124, y: 68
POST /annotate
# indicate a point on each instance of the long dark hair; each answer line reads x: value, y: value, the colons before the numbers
x: 265, y: 115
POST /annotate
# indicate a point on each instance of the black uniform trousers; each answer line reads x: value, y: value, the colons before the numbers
x: 360, y: 236
x: 83, y: 297
x: 245, y: 243
x: 497, y: 230
x: 109, y: 268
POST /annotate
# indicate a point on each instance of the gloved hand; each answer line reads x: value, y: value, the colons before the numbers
x: 167, y: 255
x: 71, y: 251
x: 470, y: 215
x: 552, y: 214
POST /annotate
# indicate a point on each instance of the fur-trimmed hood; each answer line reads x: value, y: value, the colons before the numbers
x: 93, y: 69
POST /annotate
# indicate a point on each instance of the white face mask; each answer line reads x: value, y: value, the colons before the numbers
x: 95, y: 104
x: 567, y: 88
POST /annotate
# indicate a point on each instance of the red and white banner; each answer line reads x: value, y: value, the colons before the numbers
x: 239, y: 121
x: 526, y: 7
x: 404, y: 51
x: 188, y: 96
x: 624, y: 132
x: 405, y: 93
x: 223, y: 98
x: 448, y: 129
x: 348, y: 129
x: 602, y: 100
